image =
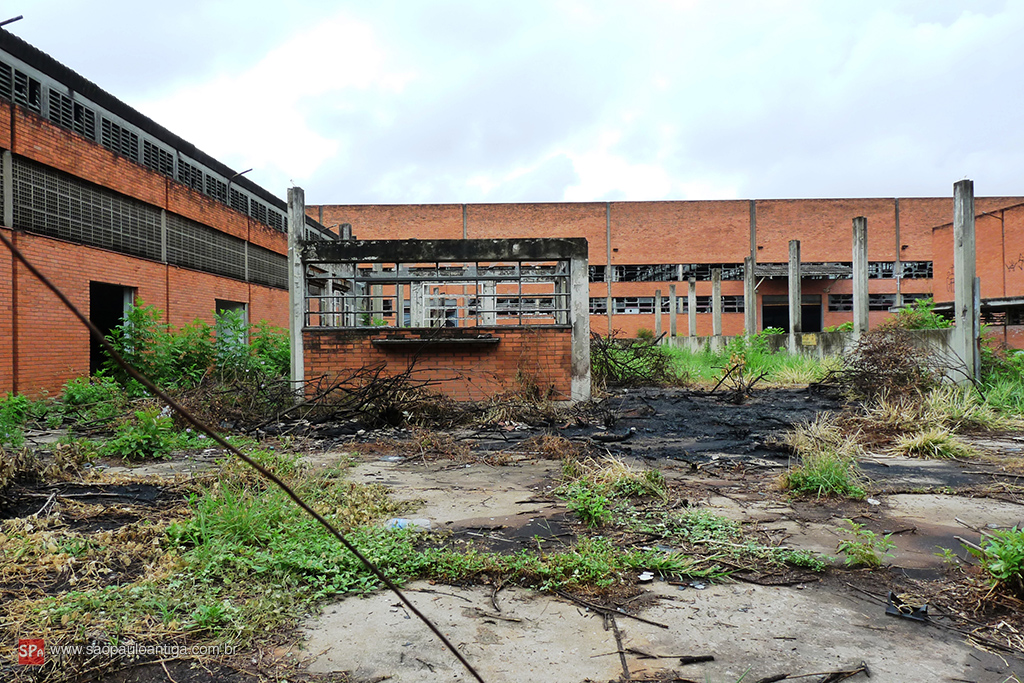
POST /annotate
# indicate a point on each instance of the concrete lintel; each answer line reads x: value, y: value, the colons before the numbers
x: 420, y: 251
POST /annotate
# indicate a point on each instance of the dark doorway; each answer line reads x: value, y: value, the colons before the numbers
x: 775, y: 312
x: 107, y: 306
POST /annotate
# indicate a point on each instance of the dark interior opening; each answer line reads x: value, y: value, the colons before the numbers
x: 106, y: 311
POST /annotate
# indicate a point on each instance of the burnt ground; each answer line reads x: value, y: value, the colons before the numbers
x: 494, y: 489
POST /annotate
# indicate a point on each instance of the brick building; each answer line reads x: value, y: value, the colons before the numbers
x: 115, y: 208
x: 640, y: 248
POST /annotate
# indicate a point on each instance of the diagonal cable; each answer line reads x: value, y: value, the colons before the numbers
x: 267, y: 474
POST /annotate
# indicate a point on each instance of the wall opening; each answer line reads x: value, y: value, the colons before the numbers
x: 108, y: 305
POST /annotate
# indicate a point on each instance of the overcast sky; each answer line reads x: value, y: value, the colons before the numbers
x: 410, y: 101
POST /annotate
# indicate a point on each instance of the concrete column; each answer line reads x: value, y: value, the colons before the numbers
x: 898, y: 261
x: 8, y: 189
x: 657, y: 313
x: 377, y: 292
x: 296, y: 285
x: 795, y: 297
x: 488, y: 302
x: 716, y: 302
x: 964, y: 283
x: 749, y: 297
x: 418, y: 304
x: 691, y: 308
x: 860, y: 276
x: 608, y: 271
x: 399, y: 304
x: 579, y: 295
x: 673, y: 306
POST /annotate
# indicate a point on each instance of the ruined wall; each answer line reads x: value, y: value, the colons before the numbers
x: 459, y: 369
x: 48, y: 346
x: 638, y: 233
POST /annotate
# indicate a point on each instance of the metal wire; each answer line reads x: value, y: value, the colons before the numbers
x: 195, y: 422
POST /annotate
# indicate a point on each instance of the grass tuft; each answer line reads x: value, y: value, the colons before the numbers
x: 932, y: 443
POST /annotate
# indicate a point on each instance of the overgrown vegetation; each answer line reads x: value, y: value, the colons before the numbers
x: 828, y: 460
x: 1001, y: 556
x: 749, y: 357
x: 618, y: 361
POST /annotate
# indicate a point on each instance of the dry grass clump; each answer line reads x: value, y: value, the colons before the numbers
x: 888, y: 362
x: 828, y: 460
x: 614, y: 475
x: 932, y: 443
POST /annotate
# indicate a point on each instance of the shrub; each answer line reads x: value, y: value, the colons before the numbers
x: 887, y: 362
x: 1001, y: 554
x: 149, y: 435
x: 920, y: 315
x: 13, y: 411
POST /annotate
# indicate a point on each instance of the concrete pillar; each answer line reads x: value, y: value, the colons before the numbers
x: 691, y: 308
x: 418, y: 304
x: 964, y: 282
x: 608, y: 270
x: 296, y: 285
x: 716, y: 302
x: 399, y: 304
x: 898, y: 262
x: 795, y: 297
x: 487, y: 302
x: 860, y: 276
x: 673, y: 307
x: 579, y: 295
x: 657, y: 313
x: 749, y: 297
x: 377, y: 292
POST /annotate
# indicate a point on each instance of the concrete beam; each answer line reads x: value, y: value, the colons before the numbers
x: 795, y: 297
x: 964, y: 280
x: 420, y: 251
x: 296, y: 285
x: 860, y: 276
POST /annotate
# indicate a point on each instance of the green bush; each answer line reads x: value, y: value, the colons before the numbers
x: 149, y: 435
x: 13, y: 412
x: 180, y: 358
x: 1002, y: 556
x: 920, y: 315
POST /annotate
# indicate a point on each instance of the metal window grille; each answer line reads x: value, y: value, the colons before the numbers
x: 217, y: 189
x: 258, y: 210
x: 157, y: 158
x: 190, y: 175
x: 917, y: 270
x: 61, y: 110
x: 27, y: 91
x: 239, y: 201
x: 59, y: 205
x: 881, y: 302
x: 731, y: 303
x: 194, y: 245
x: 119, y: 140
x: 840, y: 302
x: 267, y: 267
x: 275, y: 220
x: 6, y: 81
x: 598, y: 305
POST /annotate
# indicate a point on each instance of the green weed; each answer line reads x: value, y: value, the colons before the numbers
x: 828, y: 460
x: 866, y: 548
x: 1001, y: 555
x: 149, y: 435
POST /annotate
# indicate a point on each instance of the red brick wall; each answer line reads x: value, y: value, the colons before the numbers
x: 51, y: 345
x: 462, y: 371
